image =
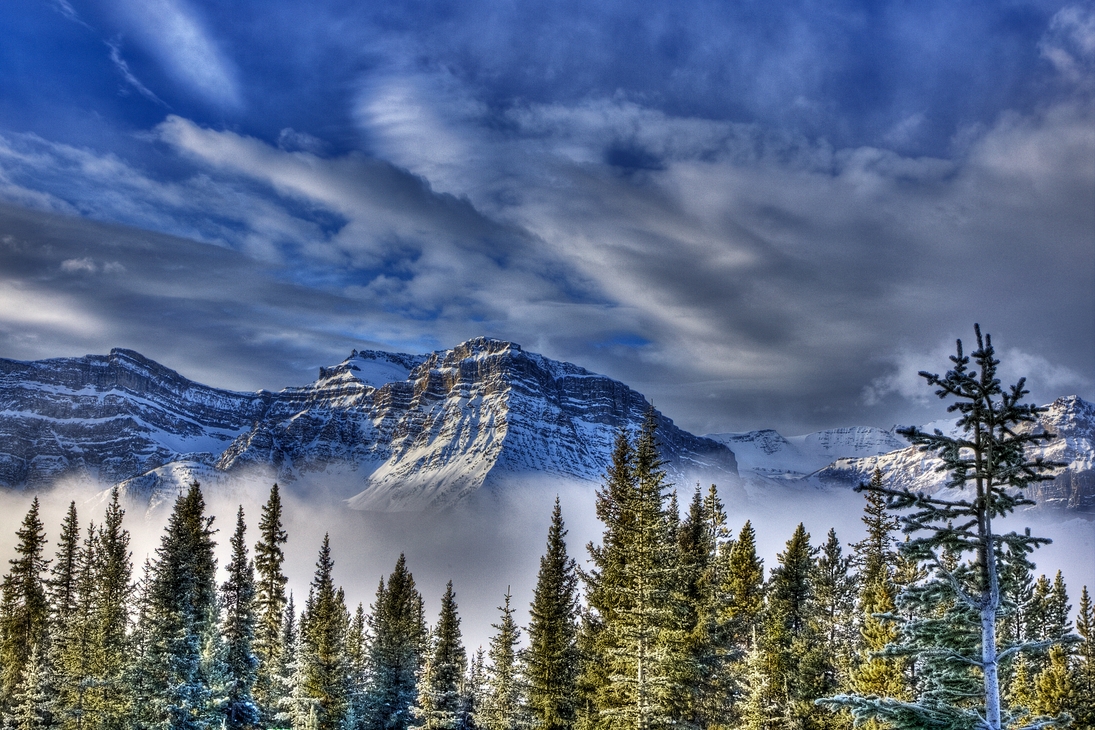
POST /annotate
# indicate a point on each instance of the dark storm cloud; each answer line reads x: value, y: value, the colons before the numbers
x: 760, y: 215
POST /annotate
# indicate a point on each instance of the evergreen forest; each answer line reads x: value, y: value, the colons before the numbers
x: 932, y: 620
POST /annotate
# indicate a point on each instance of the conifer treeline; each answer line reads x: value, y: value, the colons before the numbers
x: 671, y: 624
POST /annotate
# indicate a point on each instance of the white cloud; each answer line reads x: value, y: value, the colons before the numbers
x: 172, y: 31
x: 127, y: 74
x: 1069, y: 44
x: 22, y: 305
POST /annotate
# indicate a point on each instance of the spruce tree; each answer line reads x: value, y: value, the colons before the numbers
x: 637, y: 640
x: 503, y: 703
x: 24, y: 608
x: 269, y: 606
x: 961, y: 601
x: 107, y: 699
x: 790, y: 660
x: 396, y: 649
x: 835, y: 618
x: 238, y: 632
x: 179, y: 615
x: 75, y: 639
x: 33, y: 706
x: 440, y: 700
x: 358, y: 659
x: 551, y: 661
x: 1084, y: 669
x: 324, y: 665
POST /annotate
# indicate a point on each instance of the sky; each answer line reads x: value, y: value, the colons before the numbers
x: 760, y: 215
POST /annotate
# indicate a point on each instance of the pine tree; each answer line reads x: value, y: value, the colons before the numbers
x: 962, y: 601
x: 396, y: 651
x: 74, y: 639
x: 33, y: 704
x: 790, y: 657
x: 323, y: 661
x: 439, y: 696
x: 107, y: 698
x: 24, y: 608
x: 874, y: 674
x: 1084, y: 669
x: 269, y: 607
x: 178, y: 617
x: 637, y: 638
x: 502, y: 700
x: 551, y: 661
x: 835, y: 618
x: 238, y: 631
x: 358, y: 659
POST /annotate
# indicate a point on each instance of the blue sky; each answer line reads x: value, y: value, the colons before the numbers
x: 759, y: 214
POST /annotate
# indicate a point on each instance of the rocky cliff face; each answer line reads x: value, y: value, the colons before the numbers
x: 1071, y: 418
x: 395, y: 431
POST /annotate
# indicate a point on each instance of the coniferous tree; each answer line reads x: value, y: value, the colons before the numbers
x: 790, y: 661
x: 238, y: 631
x: 440, y: 701
x: 876, y: 557
x: 33, y: 705
x: 551, y: 661
x: 323, y: 663
x: 835, y: 622
x: 358, y: 660
x: 964, y: 598
x: 502, y: 706
x: 24, y: 608
x: 179, y: 614
x: 637, y: 645
x: 64, y: 601
x: 107, y: 698
x: 395, y: 654
x: 1084, y: 669
x: 270, y: 607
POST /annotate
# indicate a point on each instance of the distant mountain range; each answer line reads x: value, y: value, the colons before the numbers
x: 845, y: 457
x: 386, y: 431
x: 395, y: 432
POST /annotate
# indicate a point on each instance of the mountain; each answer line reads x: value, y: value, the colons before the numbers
x: 388, y: 431
x: 1071, y: 418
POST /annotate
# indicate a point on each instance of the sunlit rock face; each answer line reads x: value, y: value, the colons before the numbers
x: 1071, y: 419
x: 390, y: 431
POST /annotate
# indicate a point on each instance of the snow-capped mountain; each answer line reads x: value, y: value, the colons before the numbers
x: 1071, y: 418
x: 388, y: 430
x: 768, y: 455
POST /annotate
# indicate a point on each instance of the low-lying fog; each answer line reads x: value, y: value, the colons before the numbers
x: 497, y: 542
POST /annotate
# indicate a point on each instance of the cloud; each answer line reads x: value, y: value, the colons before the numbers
x: 171, y: 31
x: 1069, y: 44
x: 127, y: 74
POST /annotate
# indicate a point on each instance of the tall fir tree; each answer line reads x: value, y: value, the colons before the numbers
x: 876, y: 557
x: 107, y: 700
x: 637, y: 647
x: 270, y: 605
x: 835, y: 623
x: 396, y: 649
x: 179, y: 615
x: 962, y: 602
x: 238, y: 632
x: 1084, y: 667
x: 440, y: 700
x: 24, y: 607
x: 503, y: 700
x: 358, y: 659
x: 789, y: 661
x: 323, y: 663
x: 551, y: 661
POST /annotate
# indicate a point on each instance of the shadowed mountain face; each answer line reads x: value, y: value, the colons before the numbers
x: 392, y: 431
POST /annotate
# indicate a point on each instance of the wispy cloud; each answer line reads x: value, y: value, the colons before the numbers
x: 127, y: 74
x: 172, y: 31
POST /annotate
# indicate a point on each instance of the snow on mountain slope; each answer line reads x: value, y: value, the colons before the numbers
x: 1071, y: 418
x: 108, y: 418
x: 391, y: 431
x: 768, y: 455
